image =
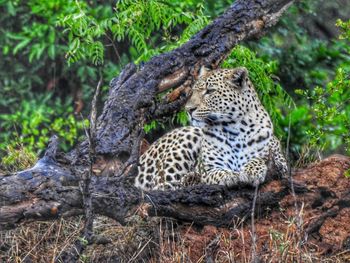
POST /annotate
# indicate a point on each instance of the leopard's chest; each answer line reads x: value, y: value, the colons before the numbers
x: 231, y: 150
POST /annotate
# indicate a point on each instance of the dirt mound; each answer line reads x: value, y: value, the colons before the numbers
x: 309, y: 226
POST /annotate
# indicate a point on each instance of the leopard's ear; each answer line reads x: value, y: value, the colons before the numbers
x: 240, y: 77
x: 203, y: 71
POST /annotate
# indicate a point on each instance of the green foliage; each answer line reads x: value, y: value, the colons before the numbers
x: 321, y: 118
x: 146, y: 25
x: 150, y: 126
x: 307, y: 64
x: 329, y: 117
x: 36, y: 121
x: 327, y: 122
x: 37, y: 37
x: 33, y: 64
x: 179, y: 118
x: 182, y: 118
x: 347, y: 174
x: 85, y: 31
x: 345, y: 28
x: 303, y: 60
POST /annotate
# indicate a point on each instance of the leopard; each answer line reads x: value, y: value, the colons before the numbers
x: 229, y: 141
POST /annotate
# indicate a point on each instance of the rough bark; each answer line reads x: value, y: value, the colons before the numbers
x: 51, y: 188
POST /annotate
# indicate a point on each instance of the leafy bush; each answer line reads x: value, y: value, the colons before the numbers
x: 303, y: 60
x: 315, y: 72
x: 36, y: 121
x: 330, y: 112
x: 33, y: 103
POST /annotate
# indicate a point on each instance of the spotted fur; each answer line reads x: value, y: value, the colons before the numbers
x: 229, y: 142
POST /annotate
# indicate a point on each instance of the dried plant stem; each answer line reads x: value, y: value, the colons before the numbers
x: 73, y: 253
x: 91, y: 136
x: 255, y: 258
x: 298, y: 215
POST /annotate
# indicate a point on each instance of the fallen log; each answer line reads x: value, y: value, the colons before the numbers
x: 31, y: 195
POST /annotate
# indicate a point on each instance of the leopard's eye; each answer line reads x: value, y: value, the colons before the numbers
x: 209, y: 91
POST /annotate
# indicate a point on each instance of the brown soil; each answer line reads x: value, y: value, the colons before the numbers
x: 319, y: 227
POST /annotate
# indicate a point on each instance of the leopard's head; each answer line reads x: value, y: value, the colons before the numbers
x: 222, y: 95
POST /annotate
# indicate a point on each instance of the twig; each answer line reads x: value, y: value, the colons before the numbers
x: 211, y: 248
x: 91, y: 136
x: 255, y: 258
x: 114, y: 47
x: 140, y: 251
x: 73, y: 254
x: 296, y: 208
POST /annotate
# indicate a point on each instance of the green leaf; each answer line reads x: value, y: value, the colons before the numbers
x: 51, y: 51
x: 21, y: 45
x: 5, y: 50
x: 347, y: 173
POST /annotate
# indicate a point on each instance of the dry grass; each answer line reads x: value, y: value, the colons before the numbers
x: 38, y: 241
x: 307, y: 155
x: 18, y: 158
x: 44, y: 241
x: 159, y: 240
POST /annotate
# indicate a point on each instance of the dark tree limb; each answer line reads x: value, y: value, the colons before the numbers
x: 31, y: 196
x: 50, y: 189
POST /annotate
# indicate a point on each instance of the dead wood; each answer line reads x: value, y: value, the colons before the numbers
x: 51, y: 190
